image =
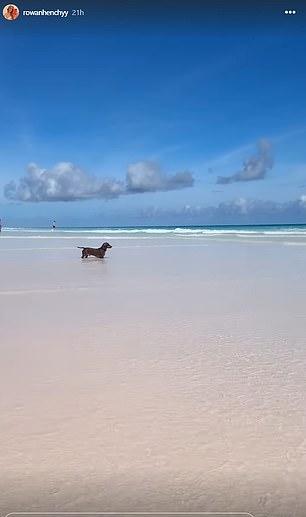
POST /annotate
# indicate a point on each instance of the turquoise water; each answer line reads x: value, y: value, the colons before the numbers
x: 284, y: 229
x: 286, y: 233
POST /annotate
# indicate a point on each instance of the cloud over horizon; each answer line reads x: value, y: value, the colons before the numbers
x: 254, y: 168
x: 237, y: 211
x: 67, y: 182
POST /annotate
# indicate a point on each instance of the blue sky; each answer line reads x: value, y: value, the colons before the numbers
x: 191, y: 99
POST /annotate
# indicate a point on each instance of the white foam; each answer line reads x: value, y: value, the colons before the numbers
x: 148, y: 232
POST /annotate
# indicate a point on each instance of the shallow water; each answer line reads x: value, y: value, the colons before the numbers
x: 170, y: 376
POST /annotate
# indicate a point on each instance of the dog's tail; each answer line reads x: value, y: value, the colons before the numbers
x: 81, y: 247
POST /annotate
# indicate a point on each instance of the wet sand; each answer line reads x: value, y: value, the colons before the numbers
x: 168, y: 377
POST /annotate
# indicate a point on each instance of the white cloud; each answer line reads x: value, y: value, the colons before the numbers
x: 303, y: 200
x: 147, y: 176
x: 67, y: 182
x: 237, y: 211
x: 254, y: 168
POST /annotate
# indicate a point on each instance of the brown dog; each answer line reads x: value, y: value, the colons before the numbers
x: 95, y: 252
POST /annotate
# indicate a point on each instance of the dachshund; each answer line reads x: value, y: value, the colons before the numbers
x: 95, y: 252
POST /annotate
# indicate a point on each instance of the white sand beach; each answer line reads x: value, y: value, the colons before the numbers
x: 168, y: 377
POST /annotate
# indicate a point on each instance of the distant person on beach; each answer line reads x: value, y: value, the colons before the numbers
x: 0, y: 225
x: 54, y: 225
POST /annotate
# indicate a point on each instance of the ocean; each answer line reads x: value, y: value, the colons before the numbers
x: 170, y: 375
x: 291, y: 231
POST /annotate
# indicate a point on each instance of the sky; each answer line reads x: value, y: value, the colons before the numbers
x: 137, y: 117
